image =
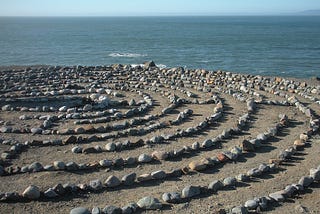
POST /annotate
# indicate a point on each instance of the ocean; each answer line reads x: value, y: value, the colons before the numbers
x: 283, y: 46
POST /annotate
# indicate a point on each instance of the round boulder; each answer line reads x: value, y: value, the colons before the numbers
x: 79, y: 210
x: 149, y: 203
x: 32, y: 192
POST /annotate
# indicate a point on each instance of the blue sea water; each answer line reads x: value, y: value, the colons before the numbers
x: 283, y: 46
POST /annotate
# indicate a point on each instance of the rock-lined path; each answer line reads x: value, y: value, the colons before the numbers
x: 124, y: 139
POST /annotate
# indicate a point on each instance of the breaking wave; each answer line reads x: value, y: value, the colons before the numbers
x: 161, y: 65
x: 158, y: 65
x: 127, y: 55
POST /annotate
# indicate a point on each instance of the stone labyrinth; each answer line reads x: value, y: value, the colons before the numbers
x: 132, y: 139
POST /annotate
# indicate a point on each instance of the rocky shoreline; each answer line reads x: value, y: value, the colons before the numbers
x: 123, y: 129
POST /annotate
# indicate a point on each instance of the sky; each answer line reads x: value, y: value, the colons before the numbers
x: 153, y: 7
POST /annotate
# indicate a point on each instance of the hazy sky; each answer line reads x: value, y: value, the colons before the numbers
x: 152, y: 7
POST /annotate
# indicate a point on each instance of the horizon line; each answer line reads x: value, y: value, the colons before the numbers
x: 157, y: 15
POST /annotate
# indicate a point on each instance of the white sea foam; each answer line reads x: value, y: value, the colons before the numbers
x: 204, y: 61
x: 141, y: 65
x: 127, y: 55
x: 161, y: 66
x: 136, y: 65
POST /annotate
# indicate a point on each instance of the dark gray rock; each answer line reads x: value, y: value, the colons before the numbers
x: 71, y: 140
x: 305, y: 181
x: 126, y: 210
x: 79, y: 130
x: 59, y: 189
x: 95, y: 185
x: 6, y: 129
x: 129, y: 179
x: 130, y: 208
x: 112, y: 181
x: 118, y: 162
x: 50, y: 193
x: 160, y: 174
x: 112, y: 210
x: 171, y: 197
x: 47, y: 124
x: 132, y: 102
x: 263, y: 203
x: 10, y: 196
x: 174, y: 173
x: 254, y: 172
x: 264, y: 168
x: 59, y: 165
x: 195, y: 146
x: 149, y: 64
x: 23, y: 169
x: 110, y: 147
x: 91, y: 150
x: 71, y: 188
x: 35, y: 167
x: 105, y: 163
x: 298, y: 187
x: 156, y: 139
x: 6, y: 155
x: 226, y: 133
x: 32, y: 192
x: 289, y: 190
x: 277, y: 196
x: 230, y: 155
x: 283, y: 155
x: 207, y: 143
x: 2, y: 172
x: 315, y: 174
x: 144, y: 158
x: 130, y: 160
x: 215, y: 185
x: 76, y: 150
x: 72, y: 166
x: 87, y: 107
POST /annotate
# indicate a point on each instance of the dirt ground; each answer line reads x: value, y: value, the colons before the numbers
x: 264, y: 117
